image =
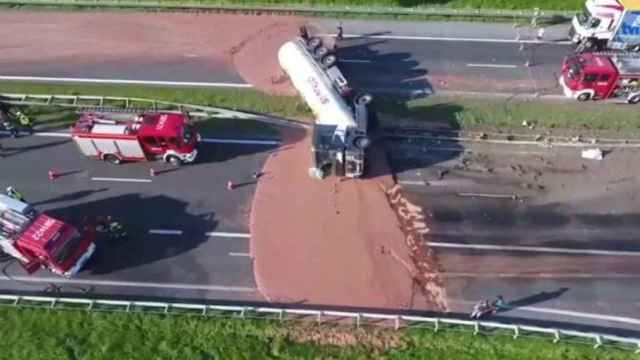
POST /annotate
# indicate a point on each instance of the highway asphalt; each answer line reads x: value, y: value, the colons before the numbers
x: 192, y: 200
x: 565, y: 253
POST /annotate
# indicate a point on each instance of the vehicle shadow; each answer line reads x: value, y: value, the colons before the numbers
x: 533, y: 299
x: 141, y: 247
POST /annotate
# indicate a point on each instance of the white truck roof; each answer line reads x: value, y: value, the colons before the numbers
x: 109, y: 129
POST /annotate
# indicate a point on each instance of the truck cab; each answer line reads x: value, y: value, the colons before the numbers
x: 607, y: 24
x: 595, y: 77
x: 37, y: 240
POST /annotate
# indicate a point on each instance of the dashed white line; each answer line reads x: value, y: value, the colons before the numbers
x: 240, y: 141
x: 123, y: 81
x: 239, y: 254
x: 433, y: 38
x: 121, y: 179
x: 228, y: 234
x: 182, y: 286
x: 534, y: 249
x: 412, y: 182
x: 165, y: 232
x: 497, y: 66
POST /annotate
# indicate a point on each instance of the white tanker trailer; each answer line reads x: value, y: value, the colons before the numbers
x: 340, y: 129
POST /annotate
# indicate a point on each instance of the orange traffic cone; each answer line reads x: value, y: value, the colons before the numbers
x: 52, y: 175
x: 230, y: 185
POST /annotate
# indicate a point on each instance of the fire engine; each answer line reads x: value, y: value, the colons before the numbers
x: 590, y: 76
x: 115, y: 138
x: 39, y: 241
x: 607, y: 25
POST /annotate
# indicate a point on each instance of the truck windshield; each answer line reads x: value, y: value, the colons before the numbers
x: 587, y: 20
x: 574, y: 68
x: 187, y: 134
x: 68, y: 249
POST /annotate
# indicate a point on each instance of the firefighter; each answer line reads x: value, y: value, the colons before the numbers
x: 13, y: 193
x: 25, y: 121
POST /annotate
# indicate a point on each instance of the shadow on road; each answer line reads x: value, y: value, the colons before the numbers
x: 534, y: 299
x: 8, y: 151
x: 73, y: 196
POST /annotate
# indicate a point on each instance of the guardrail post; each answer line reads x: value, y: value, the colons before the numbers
x: 598, y: 339
x: 101, y: 102
x: 90, y: 307
x: 166, y: 308
x: 319, y: 317
x: 128, y: 307
x: 358, y: 322
x: 244, y: 309
x: 476, y: 328
x: 204, y: 311
x: 556, y: 335
x: 53, y: 303
x: 397, y: 322
x: 516, y: 331
x: 281, y: 315
x: 638, y: 349
x: 16, y: 302
x: 436, y: 325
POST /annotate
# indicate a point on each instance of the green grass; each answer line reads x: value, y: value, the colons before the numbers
x: 50, y: 335
x: 457, y: 112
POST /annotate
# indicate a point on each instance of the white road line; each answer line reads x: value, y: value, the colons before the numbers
x: 165, y: 232
x: 45, y: 280
x: 498, y: 66
x: 240, y: 141
x: 121, y: 179
x: 534, y: 249
x: 579, y: 314
x: 53, y: 134
x: 412, y: 182
x: 433, y: 38
x: 123, y: 81
x: 477, y: 275
x: 228, y: 234
x: 356, y: 61
x: 239, y: 254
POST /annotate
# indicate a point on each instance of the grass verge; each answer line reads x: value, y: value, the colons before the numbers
x: 51, y: 335
x: 455, y: 112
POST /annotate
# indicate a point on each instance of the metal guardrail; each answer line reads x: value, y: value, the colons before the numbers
x: 118, y: 103
x: 318, y: 315
x: 302, y: 9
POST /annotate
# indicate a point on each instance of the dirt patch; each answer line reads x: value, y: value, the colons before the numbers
x: 329, y: 242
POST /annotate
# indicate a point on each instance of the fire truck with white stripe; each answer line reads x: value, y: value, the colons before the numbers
x: 40, y: 241
x: 119, y: 137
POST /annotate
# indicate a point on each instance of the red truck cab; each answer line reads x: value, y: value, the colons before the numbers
x: 588, y: 76
x: 37, y: 240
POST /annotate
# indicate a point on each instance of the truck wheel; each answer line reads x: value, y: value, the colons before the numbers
x: 634, y: 99
x: 112, y: 159
x: 329, y: 60
x: 174, y: 160
x: 364, y: 99
x: 321, y: 51
x: 584, y: 97
x: 314, y: 42
x: 362, y: 142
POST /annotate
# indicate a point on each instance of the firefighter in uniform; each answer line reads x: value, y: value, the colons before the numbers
x: 13, y: 193
x: 25, y: 121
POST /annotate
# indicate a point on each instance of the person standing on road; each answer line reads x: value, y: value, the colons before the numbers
x: 340, y: 35
x: 499, y: 304
x: 13, y: 193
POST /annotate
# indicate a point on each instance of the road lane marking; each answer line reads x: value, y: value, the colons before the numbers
x: 433, y: 38
x: 580, y: 275
x: 165, y: 232
x: 533, y: 249
x: 413, y: 182
x: 123, y: 81
x: 182, y: 286
x: 356, y: 61
x: 239, y: 254
x: 228, y: 234
x: 121, y: 179
x: 497, y: 66
x: 240, y: 141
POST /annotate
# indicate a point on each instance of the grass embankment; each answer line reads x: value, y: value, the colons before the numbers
x: 456, y: 112
x: 45, y: 334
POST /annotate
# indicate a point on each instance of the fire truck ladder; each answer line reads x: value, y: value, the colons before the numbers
x: 117, y: 104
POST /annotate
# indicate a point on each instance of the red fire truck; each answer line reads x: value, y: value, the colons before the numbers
x: 116, y: 138
x: 39, y: 241
x: 589, y: 76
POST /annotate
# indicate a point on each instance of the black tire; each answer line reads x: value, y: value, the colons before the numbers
x: 174, y: 160
x: 314, y: 43
x: 584, y: 97
x: 634, y: 99
x: 362, y: 142
x: 112, y: 159
x: 321, y: 51
x: 329, y: 60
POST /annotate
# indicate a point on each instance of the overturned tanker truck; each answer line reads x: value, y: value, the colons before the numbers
x: 339, y: 139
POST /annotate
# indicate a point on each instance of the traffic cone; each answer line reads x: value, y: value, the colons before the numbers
x: 152, y: 172
x: 52, y: 175
x: 230, y: 185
